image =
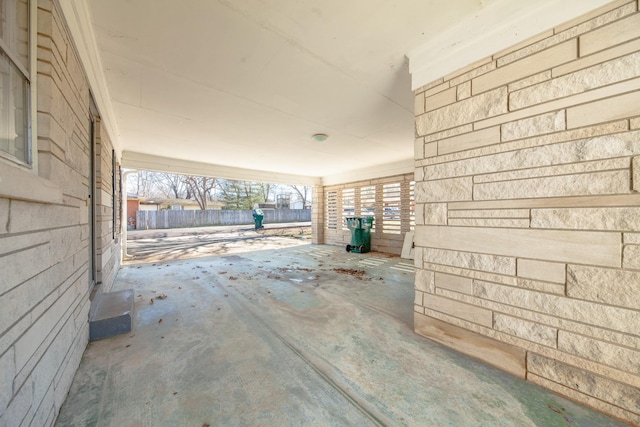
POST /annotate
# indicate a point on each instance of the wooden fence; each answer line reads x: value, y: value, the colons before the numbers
x: 151, y: 220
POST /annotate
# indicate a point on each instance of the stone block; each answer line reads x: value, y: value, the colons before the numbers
x: 635, y: 168
x: 445, y: 190
x: 562, y: 169
x: 585, y: 382
x: 618, y: 107
x: 464, y: 91
x: 418, y: 309
x: 4, y: 215
x: 473, y: 70
x: 542, y: 286
x: 631, y: 238
x: 419, y: 213
x: 436, y: 89
x: 556, y: 309
x: 526, y: 330
x: 533, y: 126
x: 521, y: 49
x: 608, y: 286
x: 494, y: 213
x: 471, y: 261
x: 469, y: 141
x: 419, y: 104
x: 622, y: 358
x: 588, y: 184
x: 449, y: 133
x: 504, y: 356
x: 606, y: 219
x: 20, y: 266
x: 429, y: 85
x: 435, y: 214
x: 478, y: 107
x: 529, y: 81
x: 634, y: 123
x: 532, y: 156
x: 528, y: 66
x: 631, y: 257
x: 558, y: 104
x: 418, y: 257
x: 610, y: 35
x: 20, y: 408
x: 489, y: 222
x: 7, y: 373
x: 542, y: 270
x: 601, y: 15
x: 613, y: 71
x: 580, y: 247
x: 418, y: 148
x: 454, y: 283
x: 468, y: 312
x: 425, y: 280
x: 431, y: 149
x: 597, y: 58
x: 417, y: 299
x: 440, y: 99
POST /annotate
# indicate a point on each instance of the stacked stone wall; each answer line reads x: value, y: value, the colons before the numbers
x: 44, y: 236
x: 528, y: 213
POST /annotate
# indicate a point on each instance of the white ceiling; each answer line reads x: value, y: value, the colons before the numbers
x: 246, y: 83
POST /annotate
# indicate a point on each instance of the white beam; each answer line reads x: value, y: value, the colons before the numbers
x: 380, y: 171
x: 142, y: 161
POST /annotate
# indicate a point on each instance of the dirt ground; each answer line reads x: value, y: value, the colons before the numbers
x: 183, y: 243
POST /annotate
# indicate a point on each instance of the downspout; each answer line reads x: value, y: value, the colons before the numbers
x: 125, y: 208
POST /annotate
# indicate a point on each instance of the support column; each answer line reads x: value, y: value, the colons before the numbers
x: 317, y: 215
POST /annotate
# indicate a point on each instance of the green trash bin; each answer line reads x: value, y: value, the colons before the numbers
x: 258, y: 216
x: 360, y: 233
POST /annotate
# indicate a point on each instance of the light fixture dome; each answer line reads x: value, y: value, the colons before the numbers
x: 320, y: 137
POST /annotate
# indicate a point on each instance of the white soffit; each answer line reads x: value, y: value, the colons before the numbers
x: 500, y: 25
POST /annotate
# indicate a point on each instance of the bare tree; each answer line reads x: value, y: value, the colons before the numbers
x: 304, y: 193
x: 265, y: 190
x: 200, y: 188
x: 173, y: 186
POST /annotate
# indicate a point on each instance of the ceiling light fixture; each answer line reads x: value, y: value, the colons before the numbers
x: 320, y: 137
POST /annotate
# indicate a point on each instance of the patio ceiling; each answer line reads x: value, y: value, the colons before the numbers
x: 237, y: 88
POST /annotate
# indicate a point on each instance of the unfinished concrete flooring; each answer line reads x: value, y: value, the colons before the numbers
x: 308, y: 335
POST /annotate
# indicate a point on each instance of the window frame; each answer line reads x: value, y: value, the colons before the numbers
x: 29, y: 76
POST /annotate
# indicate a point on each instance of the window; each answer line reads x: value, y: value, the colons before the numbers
x: 348, y: 205
x: 391, y: 214
x: 368, y: 203
x: 332, y: 210
x: 14, y: 81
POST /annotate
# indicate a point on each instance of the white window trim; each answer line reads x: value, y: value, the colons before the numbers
x: 32, y: 135
x: 33, y: 86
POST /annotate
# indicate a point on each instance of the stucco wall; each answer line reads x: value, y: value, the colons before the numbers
x: 528, y: 235
x: 389, y: 200
x: 44, y: 289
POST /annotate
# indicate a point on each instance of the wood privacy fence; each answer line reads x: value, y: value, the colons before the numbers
x: 151, y: 220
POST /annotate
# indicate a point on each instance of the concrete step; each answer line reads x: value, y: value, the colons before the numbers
x: 112, y: 316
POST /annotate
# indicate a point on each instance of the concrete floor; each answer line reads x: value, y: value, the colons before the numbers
x: 291, y: 337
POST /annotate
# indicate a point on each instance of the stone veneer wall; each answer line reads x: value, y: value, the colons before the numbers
x: 528, y: 243
x: 334, y: 231
x: 44, y: 290
x: 108, y: 201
